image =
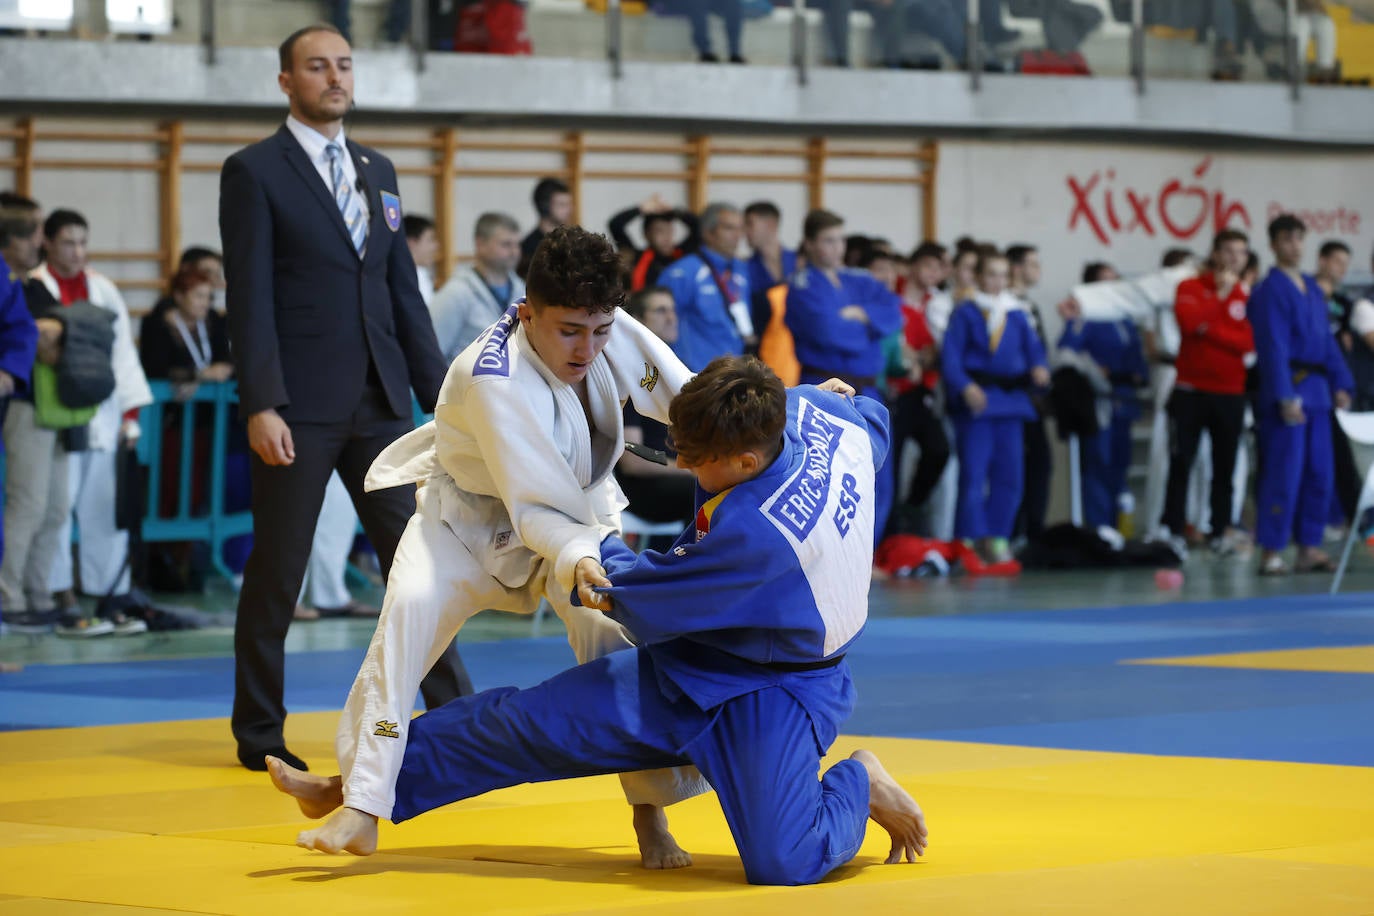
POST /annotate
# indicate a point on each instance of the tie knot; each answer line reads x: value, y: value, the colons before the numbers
x: 332, y: 150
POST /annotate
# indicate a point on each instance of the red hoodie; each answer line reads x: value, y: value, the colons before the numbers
x: 1215, y: 336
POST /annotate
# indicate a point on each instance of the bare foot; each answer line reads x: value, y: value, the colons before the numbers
x: 317, y: 795
x: 894, y: 810
x: 657, y: 848
x: 349, y: 830
x: 10, y: 668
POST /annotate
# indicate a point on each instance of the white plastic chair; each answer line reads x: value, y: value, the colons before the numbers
x: 1358, y: 427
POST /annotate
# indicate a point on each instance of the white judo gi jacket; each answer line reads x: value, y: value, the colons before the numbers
x: 533, y: 483
x: 131, y: 385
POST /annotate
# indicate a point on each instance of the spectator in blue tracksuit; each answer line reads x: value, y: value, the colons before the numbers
x: 18, y: 342
x: 1302, y: 375
x: 1116, y: 350
x: 711, y: 290
x: 770, y: 264
x: 744, y: 626
x: 992, y: 358
x: 838, y: 318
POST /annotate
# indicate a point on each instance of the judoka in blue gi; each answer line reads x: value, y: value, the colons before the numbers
x: 1116, y: 350
x: 745, y: 624
x: 991, y: 359
x: 838, y: 318
x: 1302, y: 374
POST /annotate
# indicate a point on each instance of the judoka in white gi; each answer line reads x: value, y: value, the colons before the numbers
x: 746, y: 622
x: 515, y: 489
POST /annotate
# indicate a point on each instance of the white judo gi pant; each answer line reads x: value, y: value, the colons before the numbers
x: 436, y: 585
x: 104, y: 548
x: 334, y: 532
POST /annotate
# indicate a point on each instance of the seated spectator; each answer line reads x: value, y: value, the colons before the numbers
x: 658, y: 222
x: 394, y: 29
x: 731, y: 13
x: 992, y: 358
x: 896, y: 22
x: 711, y: 290
x: 423, y: 243
x: 183, y: 339
x: 476, y: 295
x: 1066, y: 23
x: 209, y: 262
x: 657, y: 493
x: 553, y: 202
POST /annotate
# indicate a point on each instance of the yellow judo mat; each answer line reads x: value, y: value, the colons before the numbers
x: 1339, y: 659
x: 144, y: 818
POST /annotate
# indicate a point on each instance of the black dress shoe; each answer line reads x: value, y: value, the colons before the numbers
x: 706, y: 57
x: 257, y: 760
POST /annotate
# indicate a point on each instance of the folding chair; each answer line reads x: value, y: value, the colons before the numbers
x: 1358, y: 427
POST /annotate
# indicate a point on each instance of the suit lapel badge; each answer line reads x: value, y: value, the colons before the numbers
x: 391, y: 209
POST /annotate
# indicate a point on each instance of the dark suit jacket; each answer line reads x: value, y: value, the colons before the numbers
x: 307, y: 316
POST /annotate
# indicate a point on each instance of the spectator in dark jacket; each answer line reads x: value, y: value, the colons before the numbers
x: 659, y: 219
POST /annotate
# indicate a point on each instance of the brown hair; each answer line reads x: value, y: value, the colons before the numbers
x: 732, y: 406
x: 986, y: 255
x: 287, y: 50
x: 817, y: 221
x: 575, y: 269
x: 188, y: 278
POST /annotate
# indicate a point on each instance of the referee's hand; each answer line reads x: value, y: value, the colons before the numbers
x: 270, y: 438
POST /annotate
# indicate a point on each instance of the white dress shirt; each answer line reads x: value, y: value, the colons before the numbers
x: 314, y: 143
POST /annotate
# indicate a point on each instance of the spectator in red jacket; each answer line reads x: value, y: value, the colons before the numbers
x: 1210, y: 391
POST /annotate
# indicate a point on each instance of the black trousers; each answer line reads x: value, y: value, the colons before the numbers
x: 1348, y: 479
x: 1035, y: 501
x: 286, y: 506
x: 1223, y: 417
x: 914, y: 419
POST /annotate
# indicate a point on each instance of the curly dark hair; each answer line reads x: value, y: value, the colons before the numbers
x: 575, y: 269
x: 733, y: 405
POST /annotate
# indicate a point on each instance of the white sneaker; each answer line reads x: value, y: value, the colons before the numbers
x: 84, y: 627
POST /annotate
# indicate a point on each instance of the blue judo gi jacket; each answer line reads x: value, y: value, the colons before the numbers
x: 968, y: 356
x: 774, y: 576
x: 1297, y: 355
x: 828, y: 345
x: 18, y: 333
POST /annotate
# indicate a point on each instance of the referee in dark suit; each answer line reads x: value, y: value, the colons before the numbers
x: 329, y: 336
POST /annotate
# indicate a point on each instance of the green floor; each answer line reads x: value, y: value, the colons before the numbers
x: 1206, y: 578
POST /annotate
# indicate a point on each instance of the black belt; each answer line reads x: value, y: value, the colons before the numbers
x: 1302, y: 370
x: 1005, y: 382
x: 857, y: 382
x: 1164, y: 359
x: 1126, y: 379
x: 804, y: 666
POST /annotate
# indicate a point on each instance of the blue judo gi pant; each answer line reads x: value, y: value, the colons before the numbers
x: 1297, y: 477
x: 991, y: 475
x: 1106, y: 459
x: 759, y: 752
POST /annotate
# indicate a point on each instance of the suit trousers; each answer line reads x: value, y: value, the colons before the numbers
x: 286, y: 505
x: 35, y: 504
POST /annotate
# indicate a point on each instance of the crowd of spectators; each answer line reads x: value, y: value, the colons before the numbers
x: 950, y: 337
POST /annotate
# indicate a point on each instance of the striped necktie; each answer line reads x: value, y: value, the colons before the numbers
x: 343, y: 196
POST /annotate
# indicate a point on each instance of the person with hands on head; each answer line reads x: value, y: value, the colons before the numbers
x: 1302, y: 375
x: 659, y: 222
x: 751, y: 686
x: 992, y: 358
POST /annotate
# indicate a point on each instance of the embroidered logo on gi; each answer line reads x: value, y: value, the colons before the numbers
x: 650, y: 380
x: 387, y: 729
x: 503, y: 540
x: 796, y: 506
x: 391, y: 209
x: 495, y: 357
x: 1237, y: 311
